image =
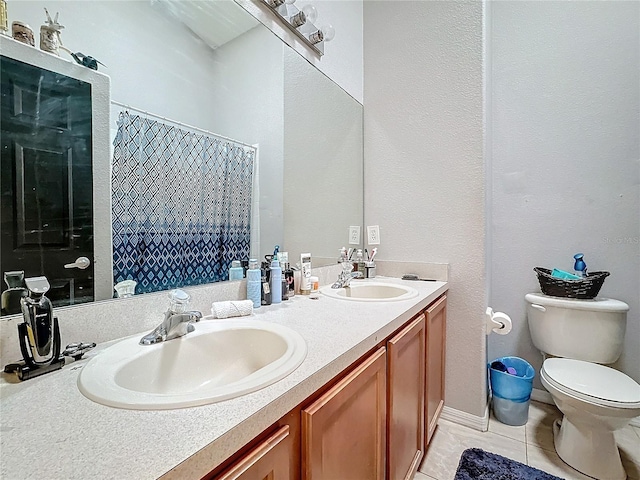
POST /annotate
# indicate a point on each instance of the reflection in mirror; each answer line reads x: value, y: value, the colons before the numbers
x: 208, y: 72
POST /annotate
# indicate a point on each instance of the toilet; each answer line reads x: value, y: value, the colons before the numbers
x: 577, y: 338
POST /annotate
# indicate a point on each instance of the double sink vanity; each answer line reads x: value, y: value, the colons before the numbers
x: 346, y: 386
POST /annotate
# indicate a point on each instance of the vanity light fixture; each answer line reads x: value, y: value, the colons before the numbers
x: 302, y: 23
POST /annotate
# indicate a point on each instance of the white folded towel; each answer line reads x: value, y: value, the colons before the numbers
x: 236, y: 308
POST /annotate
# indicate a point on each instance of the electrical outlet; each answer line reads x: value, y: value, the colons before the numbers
x: 373, y: 234
x: 354, y: 235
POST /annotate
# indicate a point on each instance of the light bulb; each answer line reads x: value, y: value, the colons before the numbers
x: 310, y: 12
x: 329, y: 32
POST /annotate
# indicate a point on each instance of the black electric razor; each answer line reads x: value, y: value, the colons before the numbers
x: 39, y: 334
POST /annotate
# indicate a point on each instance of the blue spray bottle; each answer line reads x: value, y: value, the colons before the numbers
x: 580, y: 267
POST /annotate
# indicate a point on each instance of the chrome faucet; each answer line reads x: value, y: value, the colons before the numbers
x: 177, y: 321
x: 344, y: 279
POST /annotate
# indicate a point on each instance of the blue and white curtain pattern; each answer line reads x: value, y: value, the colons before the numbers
x: 181, y: 204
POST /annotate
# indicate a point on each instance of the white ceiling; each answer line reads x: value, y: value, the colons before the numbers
x: 216, y: 22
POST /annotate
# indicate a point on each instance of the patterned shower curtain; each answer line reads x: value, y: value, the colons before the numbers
x: 181, y: 204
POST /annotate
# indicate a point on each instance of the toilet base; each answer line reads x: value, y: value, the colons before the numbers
x: 592, y: 452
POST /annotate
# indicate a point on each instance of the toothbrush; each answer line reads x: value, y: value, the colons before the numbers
x: 373, y: 253
x: 367, y: 253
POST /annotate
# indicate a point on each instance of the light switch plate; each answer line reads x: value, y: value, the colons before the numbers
x: 373, y: 234
x: 354, y: 235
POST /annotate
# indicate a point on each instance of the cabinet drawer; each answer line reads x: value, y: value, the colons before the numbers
x: 268, y: 461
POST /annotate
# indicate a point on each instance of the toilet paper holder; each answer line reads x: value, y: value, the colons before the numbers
x: 497, y: 322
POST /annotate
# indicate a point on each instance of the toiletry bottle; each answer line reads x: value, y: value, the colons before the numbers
x: 287, y: 276
x: 305, y: 277
x: 358, y: 264
x: 254, y: 283
x: 276, y: 278
x: 265, y: 298
x: 315, y: 287
x: 245, y: 267
x: 236, y: 271
x: 580, y: 267
x: 297, y: 278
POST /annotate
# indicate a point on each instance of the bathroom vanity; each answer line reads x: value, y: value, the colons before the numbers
x: 370, y: 388
x: 381, y: 411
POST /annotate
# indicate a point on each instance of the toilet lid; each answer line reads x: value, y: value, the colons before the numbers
x: 592, y: 380
x: 598, y: 304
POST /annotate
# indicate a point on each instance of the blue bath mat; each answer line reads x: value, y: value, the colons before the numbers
x: 476, y: 464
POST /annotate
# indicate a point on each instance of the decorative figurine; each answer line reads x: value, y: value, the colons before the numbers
x: 86, y: 60
x: 50, y: 40
x: 23, y: 33
x: 4, y: 22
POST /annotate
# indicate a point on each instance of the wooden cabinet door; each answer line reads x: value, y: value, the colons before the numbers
x: 405, y: 401
x: 436, y: 338
x: 268, y: 461
x: 343, y: 432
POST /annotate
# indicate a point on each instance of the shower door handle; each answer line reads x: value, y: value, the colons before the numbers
x: 81, y: 263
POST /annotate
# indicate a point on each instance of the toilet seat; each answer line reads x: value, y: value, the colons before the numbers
x: 592, y: 382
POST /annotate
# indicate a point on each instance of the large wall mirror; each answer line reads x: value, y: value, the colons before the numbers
x: 203, y: 70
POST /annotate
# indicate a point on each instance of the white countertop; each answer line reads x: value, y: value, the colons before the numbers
x: 49, y: 430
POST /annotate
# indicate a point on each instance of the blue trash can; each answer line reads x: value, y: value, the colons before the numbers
x: 511, y: 393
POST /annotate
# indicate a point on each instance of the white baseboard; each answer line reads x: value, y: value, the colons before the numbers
x: 545, y: 397
x: 466, y: 419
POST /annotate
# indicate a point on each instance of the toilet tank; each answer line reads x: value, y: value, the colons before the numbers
x: 588, y: 330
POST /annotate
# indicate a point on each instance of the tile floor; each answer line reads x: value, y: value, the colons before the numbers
x: 531, y: 444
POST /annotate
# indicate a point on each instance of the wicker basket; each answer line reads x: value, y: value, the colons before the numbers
x: 585, y: 288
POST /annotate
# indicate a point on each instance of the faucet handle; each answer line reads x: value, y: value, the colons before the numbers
x: 179, y: 301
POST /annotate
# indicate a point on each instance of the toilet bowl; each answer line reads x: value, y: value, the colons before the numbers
x: 576, y: 337
x: 595, y: 401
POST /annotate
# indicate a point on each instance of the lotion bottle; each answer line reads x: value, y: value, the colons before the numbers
x: 305, y: 277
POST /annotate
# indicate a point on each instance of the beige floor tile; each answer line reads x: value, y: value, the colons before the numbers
x: 450, y: 440
x: 517, y: 433
x: 629, y: 445
x: 632, y: 469
x: 629, y: 441
x: 550, y: 462
x: 539, y: 428
x: 539, y: 410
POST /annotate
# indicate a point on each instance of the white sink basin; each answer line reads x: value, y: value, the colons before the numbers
x: 221, y: 359
x: 371, y: 292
